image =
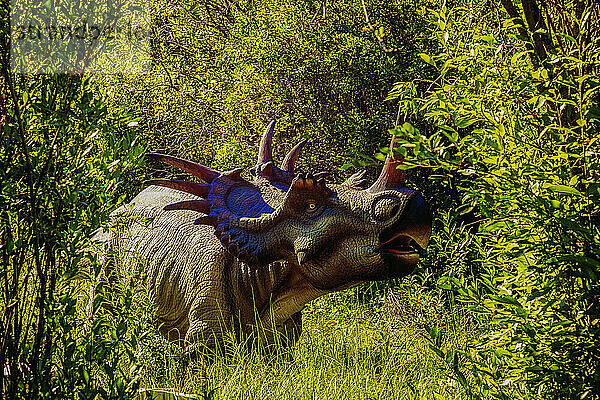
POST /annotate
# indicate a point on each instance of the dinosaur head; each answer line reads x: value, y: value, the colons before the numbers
x: 336, y: 235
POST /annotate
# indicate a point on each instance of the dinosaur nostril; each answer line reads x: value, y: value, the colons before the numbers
x: 387, y: 208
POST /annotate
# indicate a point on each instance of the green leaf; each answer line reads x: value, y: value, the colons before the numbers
x: 425, y: 57
x: 567, y: 37
x: 86, y: 375
x: 466, y: 121
x: 437, y: 351
x: 514, y: 60
x: 562, y: 189
x: 506, y: 300
x: 500, y: 352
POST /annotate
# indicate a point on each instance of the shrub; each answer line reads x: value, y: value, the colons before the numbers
x: 511, y: 121
x: 64, y: 155
x: 222, y: 70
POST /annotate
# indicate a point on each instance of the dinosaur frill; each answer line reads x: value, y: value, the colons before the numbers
x: 237, y: 209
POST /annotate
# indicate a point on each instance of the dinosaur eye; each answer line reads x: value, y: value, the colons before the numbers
x: 310, y: 206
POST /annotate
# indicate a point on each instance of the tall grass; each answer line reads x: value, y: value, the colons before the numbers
x: 350, y: 348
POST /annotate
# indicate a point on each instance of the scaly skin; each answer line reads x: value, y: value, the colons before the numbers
x: 273, y: 245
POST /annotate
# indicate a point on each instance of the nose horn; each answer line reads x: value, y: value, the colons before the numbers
x: 390, y: 176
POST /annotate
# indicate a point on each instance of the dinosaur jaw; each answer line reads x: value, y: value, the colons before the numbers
x: 399, y: 265
x: 400, y: 244
x: 401, y: 253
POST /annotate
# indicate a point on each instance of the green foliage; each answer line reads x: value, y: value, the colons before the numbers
x: 100, y: 356
x: 516, y: 133
x: 222, y: 70
x: 64, y: 157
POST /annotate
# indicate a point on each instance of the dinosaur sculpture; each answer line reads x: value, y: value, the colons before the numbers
x: 228, y: 255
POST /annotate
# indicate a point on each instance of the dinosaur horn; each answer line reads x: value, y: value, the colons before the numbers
x: 199, y: 189
x: 202, y: 206
x: 264, y: 152
x: 207, y: 220
x: 391, y: 176
x: 198, y: 170
x: 292, y: 156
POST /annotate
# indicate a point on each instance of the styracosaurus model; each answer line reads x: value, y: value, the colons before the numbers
x: 226, y: 255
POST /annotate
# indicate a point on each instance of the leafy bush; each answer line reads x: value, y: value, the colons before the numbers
x: 512, y: 122
x: 64, y: 155
x: 223, y: 69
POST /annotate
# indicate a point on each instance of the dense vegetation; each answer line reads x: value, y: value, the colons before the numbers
x: 513, y: 125
x: 316, y: 68
x: 497, y: 107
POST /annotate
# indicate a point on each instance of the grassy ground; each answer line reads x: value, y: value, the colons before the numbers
x: 350, y: 348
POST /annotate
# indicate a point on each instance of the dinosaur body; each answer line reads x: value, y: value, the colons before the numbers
x: 229, y: 255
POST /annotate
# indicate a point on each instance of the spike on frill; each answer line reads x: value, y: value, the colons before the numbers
x: 198, y: 189
x: 202, y: 206
x: 265, y: 153
x: 198, y: 170
x: 289, y: 162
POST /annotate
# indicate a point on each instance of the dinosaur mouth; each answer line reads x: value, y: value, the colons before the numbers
x: 400, y: 244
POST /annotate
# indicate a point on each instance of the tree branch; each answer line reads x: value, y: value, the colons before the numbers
x: 538, y: 28
x: 514, y: 14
